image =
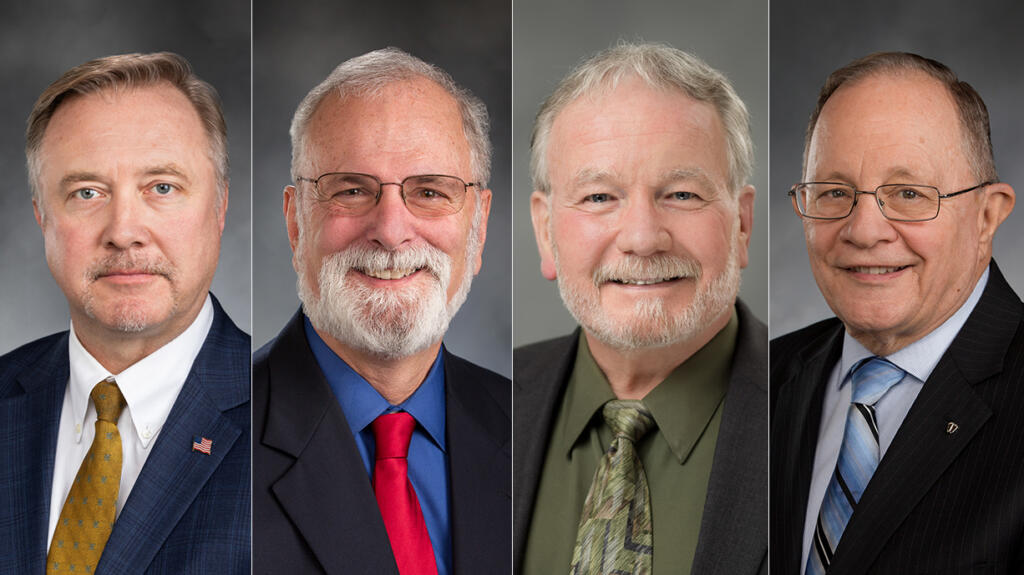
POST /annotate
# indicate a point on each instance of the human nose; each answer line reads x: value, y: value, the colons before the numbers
x: 866, y: 224
x: 126, y: 224
x: 641, y: 230
x: 392, y: 221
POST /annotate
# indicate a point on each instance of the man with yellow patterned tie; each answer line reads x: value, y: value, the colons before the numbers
x: 124, y: 442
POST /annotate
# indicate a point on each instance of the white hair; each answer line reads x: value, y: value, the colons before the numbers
x: 366, y: 75
x: 660, y: 66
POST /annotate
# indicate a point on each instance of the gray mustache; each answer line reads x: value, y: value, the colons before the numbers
x: 127, y: 261
x: 636, y: 268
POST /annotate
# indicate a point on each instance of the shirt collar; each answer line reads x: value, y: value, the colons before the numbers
x: 920, y: 357
x: 150, y: 386
x: 361, y: 403
x: 682, y: 405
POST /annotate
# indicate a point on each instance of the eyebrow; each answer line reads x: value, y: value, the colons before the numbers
x: 76, y: 177
x: 166, y: 170
x: 688, y: 174
x: 894, y: 173
x: 591, y: 176
x: 160, y: 170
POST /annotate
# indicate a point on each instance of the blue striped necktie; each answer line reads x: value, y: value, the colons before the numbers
x: 858, y: 459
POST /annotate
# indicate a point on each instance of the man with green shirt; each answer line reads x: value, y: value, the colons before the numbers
x: 641, y: 439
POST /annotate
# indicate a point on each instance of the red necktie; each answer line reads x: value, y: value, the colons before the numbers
x: 396, y: 498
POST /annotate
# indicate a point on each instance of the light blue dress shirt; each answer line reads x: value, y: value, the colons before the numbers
x: 428, y: 460
x: 917, y: 359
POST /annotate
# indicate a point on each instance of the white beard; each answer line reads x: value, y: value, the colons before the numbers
x: 652, y: 326
x: 388, y: 323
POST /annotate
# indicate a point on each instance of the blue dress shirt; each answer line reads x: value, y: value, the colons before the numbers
x: 428, y: 460
x: 918, y: 359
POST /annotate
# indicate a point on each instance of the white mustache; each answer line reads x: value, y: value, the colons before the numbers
x: 379, y: 262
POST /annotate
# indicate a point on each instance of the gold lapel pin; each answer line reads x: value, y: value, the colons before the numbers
x: 951, y: 428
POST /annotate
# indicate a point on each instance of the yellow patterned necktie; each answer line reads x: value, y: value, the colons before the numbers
x: 88, y: 514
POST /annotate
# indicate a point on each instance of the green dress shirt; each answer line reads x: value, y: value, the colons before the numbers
x: 677, y: 456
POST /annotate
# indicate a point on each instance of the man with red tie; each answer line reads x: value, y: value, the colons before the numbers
x: 379, y: 451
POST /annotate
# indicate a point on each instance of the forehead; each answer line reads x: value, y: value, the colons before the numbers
x: 407, y: 127
x: 637, y: 131
x: 113, y: 128
x: 904, y: 121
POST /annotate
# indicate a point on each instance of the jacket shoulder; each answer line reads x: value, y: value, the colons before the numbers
x: 528, y: 360
x: 26, y: 356
x: 792, y: 342
x: 497, y: 386
x: 30, y: 352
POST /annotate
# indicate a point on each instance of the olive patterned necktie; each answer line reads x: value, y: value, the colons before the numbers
x: 615, y: 533
x: 88, y: 513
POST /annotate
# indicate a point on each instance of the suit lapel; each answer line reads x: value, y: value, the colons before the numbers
x: 736, y: 487
x: 174, y: 472
x: 29, y: 418
x: 538, y: 391
x: 800, y: 399
x: 923, y: 448
x: 479, y: 461
x: 173, y: 475
x: 326, y: 492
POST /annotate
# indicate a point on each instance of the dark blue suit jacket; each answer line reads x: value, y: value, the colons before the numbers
x: 314, y: 508
x: 188, y: 512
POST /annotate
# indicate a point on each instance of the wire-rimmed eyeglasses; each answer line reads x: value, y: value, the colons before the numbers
x: 898, y: 202
x: 355, y: 194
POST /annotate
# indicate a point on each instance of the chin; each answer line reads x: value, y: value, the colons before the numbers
x: 129, y: 316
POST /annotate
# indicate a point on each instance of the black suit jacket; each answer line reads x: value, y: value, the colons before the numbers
x: 313, y: 505
x: 187, y: 513
x: 939, y: 502
x: 733, y: 536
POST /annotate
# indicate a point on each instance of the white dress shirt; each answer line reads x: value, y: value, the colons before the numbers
x: 917, y: 359
x: 150, y: 387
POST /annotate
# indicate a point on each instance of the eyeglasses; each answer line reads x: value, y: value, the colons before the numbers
x: 426, y: 196
x: 898, y: 202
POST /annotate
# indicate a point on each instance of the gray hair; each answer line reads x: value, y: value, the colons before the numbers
x: 127, y: 71
x: 368, y: 74
x: 659, y: 66
x: 977, y: 138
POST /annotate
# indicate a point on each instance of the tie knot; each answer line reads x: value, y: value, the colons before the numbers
x: 872, y: 378
x: 392, y: 432
x: 628, y: 418
x: 108, y: 401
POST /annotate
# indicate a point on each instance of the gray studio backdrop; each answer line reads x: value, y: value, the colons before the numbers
x: 552, y: 37
x: 295, y: 46
x: 39, y: 41
x: 981, y: 42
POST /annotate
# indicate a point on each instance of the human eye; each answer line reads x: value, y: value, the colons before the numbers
x: 909, y: 194
x: 163, y: 189
x: 426, y: 193
x: 350, y: 192
x: 832, y: 193
x: 684, y: 197
x: 85, y: 194
x: 599, y: 198
x: 595, y: 199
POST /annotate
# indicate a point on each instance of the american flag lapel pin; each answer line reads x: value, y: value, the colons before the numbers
x: 202, y: 444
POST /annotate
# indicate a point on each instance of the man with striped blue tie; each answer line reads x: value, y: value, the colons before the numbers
x: 894, y: 422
